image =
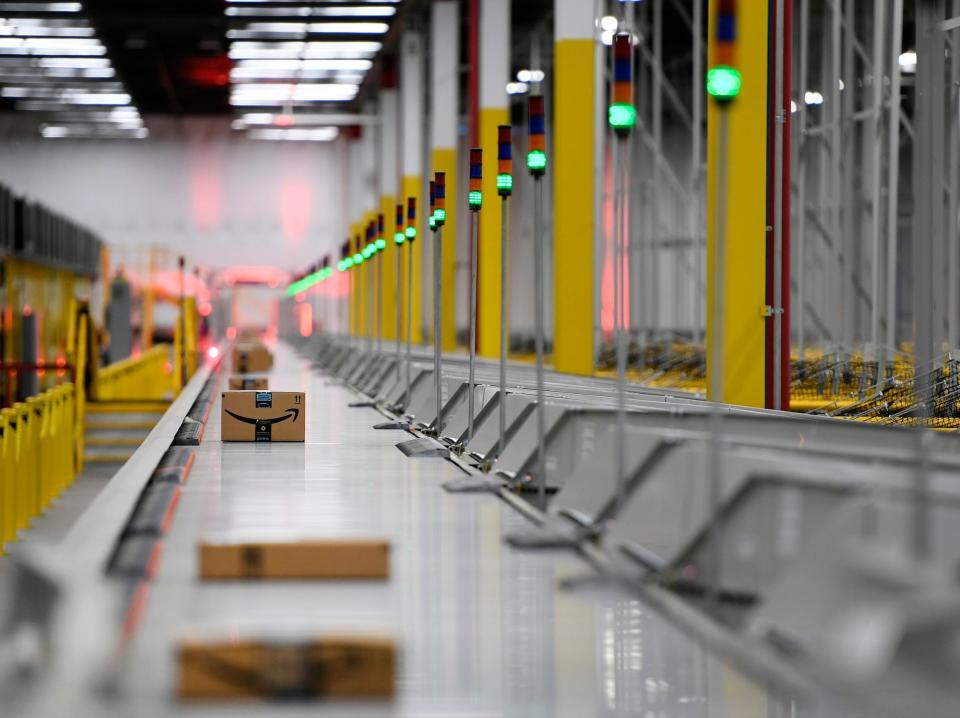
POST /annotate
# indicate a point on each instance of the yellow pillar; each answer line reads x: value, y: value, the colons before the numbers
x: 388, y: 269
x: 573, y: 196
x: 411, y: 188
x: 746, y: 198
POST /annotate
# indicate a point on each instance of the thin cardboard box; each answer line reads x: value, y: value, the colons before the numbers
x: 251, y: 358
x: 245, y: 381
x: 263, y: 416
x: 250, y: 668
x: 339, y: 558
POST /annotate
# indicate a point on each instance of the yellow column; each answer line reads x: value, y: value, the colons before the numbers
x: 573, y: 196
x: 746, y: 198
x: 411, y: 188
x: 388, y: 269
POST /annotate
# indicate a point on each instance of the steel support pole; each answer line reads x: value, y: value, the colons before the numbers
x: 621, y: 174
x: 879, y: 34
x: 778, y: 218
x: 893, y: 181
x: 406, y: 396
x: 696, y: 159
x: 398, y: 250
x: 716, y: 360
x: 504, y: 318
x: 437, y: 339
x: 539, y: 329
x: 803, y: 159
x: 928, y: 175
x: 474, y: 226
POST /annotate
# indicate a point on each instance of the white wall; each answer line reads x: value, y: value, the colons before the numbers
x: 193, y: 186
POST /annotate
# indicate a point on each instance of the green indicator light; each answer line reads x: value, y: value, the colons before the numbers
x: 537, y: 161
x: 340, y: 265
x: 622, y: 116
x: 411, y: 232
x: 357, y: 259
x: 381, y: 245
x: 398, y: 238
x: 440, y: 216
x: 475, y: 199
x: 504, y: 183
x: 723, y: 83
x: 433, y: 223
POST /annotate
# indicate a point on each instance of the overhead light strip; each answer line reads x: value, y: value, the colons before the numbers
x: 55, y: 64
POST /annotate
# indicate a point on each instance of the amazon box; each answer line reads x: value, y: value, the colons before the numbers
x: 336, y: 667
x: 245, y: 381
x: 251, y: 358
x: 336, y: 558
x: 263, y: 416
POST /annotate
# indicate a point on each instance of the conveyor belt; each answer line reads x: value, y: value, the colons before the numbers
x: 483, y: 630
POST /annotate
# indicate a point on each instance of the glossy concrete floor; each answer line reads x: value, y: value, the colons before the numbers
x: 482, y: 630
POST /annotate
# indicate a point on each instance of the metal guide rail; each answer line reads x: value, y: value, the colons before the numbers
x: 66, y: 614
x: 732, y: 569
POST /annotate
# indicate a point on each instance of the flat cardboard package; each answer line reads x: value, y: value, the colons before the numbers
x: 328, y: 667
x: 246, y: 381
x: 251, y: 358
x: 335, y: 558
x: 263, y: 416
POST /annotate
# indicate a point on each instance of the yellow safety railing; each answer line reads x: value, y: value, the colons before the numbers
x: 37, y: 457
x: 143, y: 377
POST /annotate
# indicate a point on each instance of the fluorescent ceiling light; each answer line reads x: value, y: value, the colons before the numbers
x: 40, y: 7
x: 278, y: 2
x: 300, y: 119
x: 313, y: 134
x: 240, y: 75
x: 327, y: 64
x: 254, y: 94
x: 73, y: 62
x: 298, y: 29
x: 93, y: 132
x: 301, y: 50
x: 294, y: 11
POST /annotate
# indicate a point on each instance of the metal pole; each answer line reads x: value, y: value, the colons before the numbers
x: 437, y: 279
x: 621, y: 178
x: 378, y: 290
x: 802, y: 157
x: 539, y: 327
x: 504, y: 313
x: 716, y: 353
x: 893, y: 178
x: 778, y: 218
x: 399, y: 252
x: 695, y: 165
x: 879, y: 17
x: 474, y: 237
x: 406, y: 395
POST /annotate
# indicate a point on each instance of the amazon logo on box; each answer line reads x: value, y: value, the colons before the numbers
x: 263, y: 416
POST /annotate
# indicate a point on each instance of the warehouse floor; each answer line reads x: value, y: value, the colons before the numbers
x: 482, y: 629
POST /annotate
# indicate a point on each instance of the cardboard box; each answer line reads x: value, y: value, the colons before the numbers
x: 339, y: 558
x: 263, y: 416
x: 245, y: 381
x: 328, y: 667
x: 251, y: 358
